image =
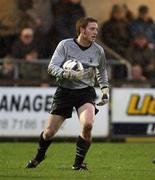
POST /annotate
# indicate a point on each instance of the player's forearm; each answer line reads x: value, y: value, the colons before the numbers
x: 55, y: 71
x: 102, y: 78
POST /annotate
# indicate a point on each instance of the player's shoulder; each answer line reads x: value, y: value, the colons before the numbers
x: 98, y: 47
x: 66, y: 41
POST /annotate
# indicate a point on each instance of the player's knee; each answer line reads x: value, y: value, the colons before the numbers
x: 88, y: 127
x: 48, y: 134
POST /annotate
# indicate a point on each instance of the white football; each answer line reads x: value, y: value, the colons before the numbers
x: 73, y: 65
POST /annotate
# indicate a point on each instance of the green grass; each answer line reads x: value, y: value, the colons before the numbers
x: 107, y: 161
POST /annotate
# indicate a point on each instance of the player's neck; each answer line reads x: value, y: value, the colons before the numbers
x: 83, y: 42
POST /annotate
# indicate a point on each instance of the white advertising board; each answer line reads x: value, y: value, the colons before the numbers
x: 133, y: 111
x: 133, y: 105
x: 24, y: 112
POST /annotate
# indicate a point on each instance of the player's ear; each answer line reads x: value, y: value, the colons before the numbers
x: 82, y: 30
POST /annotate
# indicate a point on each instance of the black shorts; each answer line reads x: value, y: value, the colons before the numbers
x: 65, y: 99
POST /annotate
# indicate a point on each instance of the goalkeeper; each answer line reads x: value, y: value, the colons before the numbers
x: 75, y: 89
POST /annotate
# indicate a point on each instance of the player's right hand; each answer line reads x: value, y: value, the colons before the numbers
x: 73, y: 75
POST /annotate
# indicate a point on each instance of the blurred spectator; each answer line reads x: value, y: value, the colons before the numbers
x: 8, y: 69
x: 42, y: 16
x: 137, y: 73
x: 68, y: 13
x: 9, y: 25
x: 32, y: 69
x: 114, y: 32
x: 25, y: 44
x: 24, y: 7
x: 41, y: 13
x: 138, y: 80
x: 128, y: 14
x: 144, y: 24
x: 141, y: 54
x: 31, y: 56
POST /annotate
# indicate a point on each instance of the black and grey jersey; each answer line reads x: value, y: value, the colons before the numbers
x: 92, y: 58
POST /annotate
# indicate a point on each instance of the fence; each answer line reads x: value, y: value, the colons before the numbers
x: 35, y: 73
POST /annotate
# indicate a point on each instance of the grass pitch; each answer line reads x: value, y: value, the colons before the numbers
x: 106, y: 161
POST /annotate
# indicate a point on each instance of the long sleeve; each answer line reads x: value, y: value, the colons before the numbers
x: 54, y: 67
x: 101, y: 71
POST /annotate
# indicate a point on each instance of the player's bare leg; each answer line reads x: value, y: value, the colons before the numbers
x: 86, y: 115
x: 53, y: 124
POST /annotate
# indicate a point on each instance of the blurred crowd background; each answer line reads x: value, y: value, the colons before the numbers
x: 31, y: 29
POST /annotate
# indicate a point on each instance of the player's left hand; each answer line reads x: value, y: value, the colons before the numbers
x: 105, y: 96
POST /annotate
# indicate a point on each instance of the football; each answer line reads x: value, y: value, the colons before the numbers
x: 73, y: 65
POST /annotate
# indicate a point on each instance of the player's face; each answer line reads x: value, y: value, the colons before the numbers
x: 90, y: 32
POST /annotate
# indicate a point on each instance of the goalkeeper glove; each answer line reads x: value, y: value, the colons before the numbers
x: 73, y: 75
x: 105, y: 96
